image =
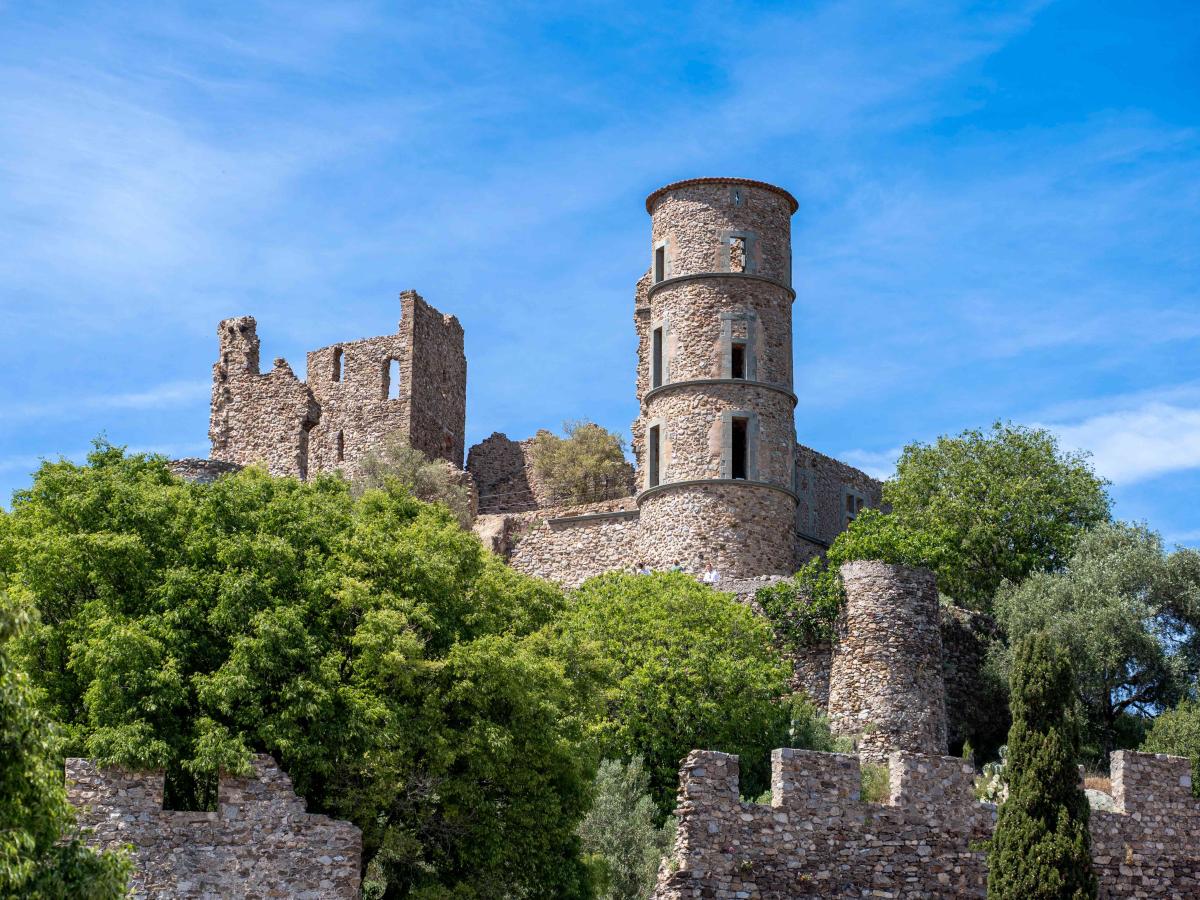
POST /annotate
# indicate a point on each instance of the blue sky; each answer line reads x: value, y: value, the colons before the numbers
x: 1000, y: 209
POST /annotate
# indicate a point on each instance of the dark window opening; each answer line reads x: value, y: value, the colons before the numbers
x: 854, y: 505
x: 656, y: 358
x: 185, y: 791
x: 737, y: 361
x: 741, y: 449
x: 653, y: 452
x: 341, y: 447
x: 660, y: 264
x: 337, y: 363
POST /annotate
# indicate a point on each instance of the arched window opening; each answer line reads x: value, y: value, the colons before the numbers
x: 337, y: 363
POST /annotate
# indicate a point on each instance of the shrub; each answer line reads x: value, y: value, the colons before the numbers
x: 587, y: 464
x: 428, y: 480
x: 1177, y: 731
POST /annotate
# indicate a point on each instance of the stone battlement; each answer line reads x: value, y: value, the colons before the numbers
x: 816, y: 838
x: 259, y: 842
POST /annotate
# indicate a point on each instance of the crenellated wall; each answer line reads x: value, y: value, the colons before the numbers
x: 259, y: 843
x: 817, y: 839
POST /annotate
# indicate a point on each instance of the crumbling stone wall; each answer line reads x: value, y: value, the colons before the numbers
x: 504, y: 476
x: 259, y: 843
x: 886, y: 687
x: 344, y: 411
x: 202, y: 471
x: 817, y: 839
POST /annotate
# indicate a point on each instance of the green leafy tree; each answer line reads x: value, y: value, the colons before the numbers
x: 369, y: 644
x: 674, y: 666
x: 1177, y: 731
x: 1041, y: 849
x: 1126, y: 611
x: 620, y: 830
x: 431, y: 480
x: 42, y: 855
x: 803, y: 609
x: 587, y: 463
x: 1001, y: 504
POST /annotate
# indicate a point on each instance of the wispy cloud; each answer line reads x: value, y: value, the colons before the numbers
x: 1133, y: 445
x: 171, y: 394
x: 879, y: 464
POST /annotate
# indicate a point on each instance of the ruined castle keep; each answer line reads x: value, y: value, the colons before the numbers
x: 412, y: 385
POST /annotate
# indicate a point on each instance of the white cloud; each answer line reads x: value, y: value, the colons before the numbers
x: 879, y: 464
x: 1133, y: 445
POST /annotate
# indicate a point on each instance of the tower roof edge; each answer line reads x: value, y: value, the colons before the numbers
x: 750, y: 182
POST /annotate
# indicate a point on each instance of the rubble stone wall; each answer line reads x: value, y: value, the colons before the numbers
x: 259, y: 843
x: 886, y: 688
x: 823, y: 484
x: 351, y: 402
x: 571, y: 544
x: 735, y: 525
x: 817, y: 839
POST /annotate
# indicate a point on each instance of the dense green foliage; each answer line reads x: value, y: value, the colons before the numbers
x: 41, y: 854
x: 431, y: 480
x: 370, y: 645
x: 620, y: 831
x: 675, y: 666
x: 1001, y: 505
x: 1177, y: 731
x: 1041, y: 849
x: 1127, y: 613
x: 587, y: 463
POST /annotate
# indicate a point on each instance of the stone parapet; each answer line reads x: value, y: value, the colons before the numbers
x: 818, y: 839
x: 259, y: 843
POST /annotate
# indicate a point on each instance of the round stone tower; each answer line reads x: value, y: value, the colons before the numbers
x: 716, y: 434
x: 886, y: 686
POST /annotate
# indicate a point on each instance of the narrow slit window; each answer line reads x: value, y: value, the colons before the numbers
x: 737, y: 360
x: 653, y: 450
x: 740, y: 450
x: 656, y: 358
x: 391, y: 380
x: 341, y: 446
x: 337, y: 363
x: 737, y: 254
x: 660, y: 264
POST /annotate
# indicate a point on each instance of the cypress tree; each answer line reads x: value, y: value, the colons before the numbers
x: 1041, y: 849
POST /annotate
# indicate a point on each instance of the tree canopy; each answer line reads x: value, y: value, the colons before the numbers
x: 1127, y: 613
x: 675, y: 665
x: 369, y: 644
x: 42, y: 856
x: 431, y: 480
x: 1002, y: 504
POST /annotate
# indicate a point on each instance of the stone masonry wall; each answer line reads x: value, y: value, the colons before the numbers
x: 817, y: 839
x: 823, y: 484
x: 349, y: 405
x: 885, y: 686
x: 504, y: 476
x: 260, y: 842
x: 571, y: 544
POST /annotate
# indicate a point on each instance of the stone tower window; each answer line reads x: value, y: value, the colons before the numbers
x: 855, y: 502
x: 337, y: 363
x: 660, y: 263
x: 737, y: 359
x: 653, y: 450
x: 341, y: 447
x: 740, y: 448
x: 391, y: 379
x: 656, y: 358
x: 737, y: 254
